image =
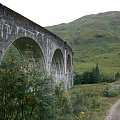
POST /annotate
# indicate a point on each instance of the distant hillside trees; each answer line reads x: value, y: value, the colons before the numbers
x: 93, y: 76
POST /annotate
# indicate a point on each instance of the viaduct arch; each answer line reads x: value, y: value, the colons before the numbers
x: 54, y: 53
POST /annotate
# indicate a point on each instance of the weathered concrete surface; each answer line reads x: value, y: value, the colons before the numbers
x: 55, y: 54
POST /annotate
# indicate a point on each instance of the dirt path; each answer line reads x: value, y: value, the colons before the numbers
x: 114, y: 113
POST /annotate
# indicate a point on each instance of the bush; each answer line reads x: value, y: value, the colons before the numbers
x: 107, y: 79
x: 30, y: 94
x: 24, y: 94
x: 77, y: 78
x: 117, y: 76
x: 93, y: 76
x: 78, y: 101
x: 88, y: 77
x: 109, y: 93
x: 63, y: 109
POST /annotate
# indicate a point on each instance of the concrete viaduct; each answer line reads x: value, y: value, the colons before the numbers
x: 54, y: 53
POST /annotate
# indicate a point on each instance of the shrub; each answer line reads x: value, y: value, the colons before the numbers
x: 63, y: 109
x: 94, y: 76
x: 30, y: 94
x: 77, y: 78
x: 107, y: 79
x: 91, y: 77
x: 78, y: 101
x: 109, y: 93
x: 117, y: 76
x: 24, y: 95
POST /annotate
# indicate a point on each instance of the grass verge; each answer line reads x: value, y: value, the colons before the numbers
x: 95, y: 105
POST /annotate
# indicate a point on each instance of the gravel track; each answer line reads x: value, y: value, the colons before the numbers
x: 114, y: 112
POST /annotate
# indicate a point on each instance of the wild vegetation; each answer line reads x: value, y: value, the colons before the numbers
x: 28, y: 93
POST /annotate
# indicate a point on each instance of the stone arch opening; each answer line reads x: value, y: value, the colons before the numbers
x: 57, y: 66
x: 29, y: 51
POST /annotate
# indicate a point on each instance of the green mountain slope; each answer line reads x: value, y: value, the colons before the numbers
x: 94, y: 39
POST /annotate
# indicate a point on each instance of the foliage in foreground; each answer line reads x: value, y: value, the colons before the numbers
x: 30, y: 94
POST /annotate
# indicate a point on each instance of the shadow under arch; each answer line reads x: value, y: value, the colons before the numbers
x: 29, y: 50
x: 57, y: 66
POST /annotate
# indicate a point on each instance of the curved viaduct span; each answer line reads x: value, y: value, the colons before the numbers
x: 54, y: 53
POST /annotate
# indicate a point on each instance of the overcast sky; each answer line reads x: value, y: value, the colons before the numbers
x: 52, y: 12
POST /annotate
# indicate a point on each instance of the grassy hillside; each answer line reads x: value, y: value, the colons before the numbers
x: 94, y: 39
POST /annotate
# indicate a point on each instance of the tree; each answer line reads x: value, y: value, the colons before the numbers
x: 24, y: 95
x: 77, y: 78
x: 30, y: 94
x: 97, y: 74
x: 117, y: 76
x: 88, y: 77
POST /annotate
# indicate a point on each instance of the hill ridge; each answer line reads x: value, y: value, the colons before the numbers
x: 92, y: 36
